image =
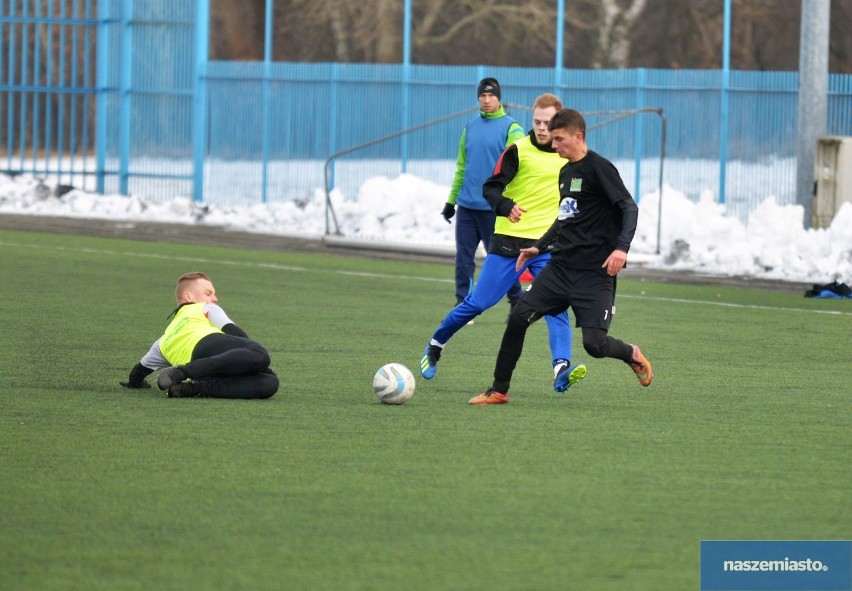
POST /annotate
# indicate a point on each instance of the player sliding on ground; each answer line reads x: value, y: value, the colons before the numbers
x: 203, y: 352
x: 590, y: 239
x: 524, y: 192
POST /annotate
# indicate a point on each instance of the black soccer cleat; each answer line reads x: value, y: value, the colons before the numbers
x: 182, y: 390
x: 171, y: 376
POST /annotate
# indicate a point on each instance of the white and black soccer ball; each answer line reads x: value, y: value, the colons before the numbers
x: 393, y: 383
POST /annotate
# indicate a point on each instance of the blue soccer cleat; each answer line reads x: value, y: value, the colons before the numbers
x: 429, y: 361
x: 568, y: 376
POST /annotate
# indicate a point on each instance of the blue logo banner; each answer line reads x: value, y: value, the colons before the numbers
x: 739, y: 565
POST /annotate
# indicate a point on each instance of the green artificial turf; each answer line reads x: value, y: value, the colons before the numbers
x: 744, y: 433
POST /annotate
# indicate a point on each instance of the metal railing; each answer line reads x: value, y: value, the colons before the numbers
x: 615, y: 116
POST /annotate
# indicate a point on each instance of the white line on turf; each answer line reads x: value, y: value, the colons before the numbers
x: 732, y: 305
x: 373, y: 275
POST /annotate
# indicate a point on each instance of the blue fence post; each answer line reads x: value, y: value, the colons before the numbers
x: 101, y: 84
x: 10, y: 106
x: 723, y: 116
x: 25, y: 43
x: 406, y: 82
x: 37, y: 51
x: 332, y: 122
x: 88, y: 84
x: 266, y: 85
x: 199, y: 100
x: 124, y: 85
x: 560, y: 40
x: 639, y: 133
x: 60, y: 111
x: 48, y: 92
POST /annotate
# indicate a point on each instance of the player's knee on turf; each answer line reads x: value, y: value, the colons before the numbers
x: 268, y: 385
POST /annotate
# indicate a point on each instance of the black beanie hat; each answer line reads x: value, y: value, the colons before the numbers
x: 488, y: 85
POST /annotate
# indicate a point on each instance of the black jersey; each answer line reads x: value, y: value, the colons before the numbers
x: 596, y: 214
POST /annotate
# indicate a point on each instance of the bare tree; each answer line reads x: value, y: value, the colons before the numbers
x: 598, y: 33
x: 334, y: 30
x: 452, y: 32
x: 613, y: 50
x: 485, y: 31
x: 236, y: 27
x: 337, y: 20
x: 840, y: 45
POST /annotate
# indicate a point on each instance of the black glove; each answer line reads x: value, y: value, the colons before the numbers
x: 136, y: 379
x: 449, y: 211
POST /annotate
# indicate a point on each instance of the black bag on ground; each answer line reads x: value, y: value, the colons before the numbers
x: 841, y: 289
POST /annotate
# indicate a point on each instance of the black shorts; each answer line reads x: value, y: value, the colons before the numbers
x: 590, y: 293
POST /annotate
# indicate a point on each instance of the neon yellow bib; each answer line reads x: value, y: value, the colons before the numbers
x: 189, y: 326
x: 535, y: 188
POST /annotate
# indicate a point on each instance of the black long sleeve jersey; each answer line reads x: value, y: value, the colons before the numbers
x: 596, y: 214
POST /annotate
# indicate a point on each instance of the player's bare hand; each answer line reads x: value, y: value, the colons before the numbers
x: 524, y: 255
x: 615, y: 262
x: 515, y: 215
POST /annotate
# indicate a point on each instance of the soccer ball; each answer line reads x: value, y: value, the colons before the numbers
x: 393, y: 383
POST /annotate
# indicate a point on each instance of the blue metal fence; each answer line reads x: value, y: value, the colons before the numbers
x: 47, y: 87
x: 146, y: 85
x: 118, y: 96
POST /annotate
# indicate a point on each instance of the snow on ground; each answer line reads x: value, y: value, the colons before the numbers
x: 694, y: 235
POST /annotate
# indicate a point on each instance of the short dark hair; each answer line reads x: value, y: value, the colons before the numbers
x: 568, y: 119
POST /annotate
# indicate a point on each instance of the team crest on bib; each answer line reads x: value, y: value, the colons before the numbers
x: 567, y: 208
x: 576, y: 185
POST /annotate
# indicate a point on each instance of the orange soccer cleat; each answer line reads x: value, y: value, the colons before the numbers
x: 490, y: 396
x: 641, y: 367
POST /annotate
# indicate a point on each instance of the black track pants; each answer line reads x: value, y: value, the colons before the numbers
x: 225, y: 366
